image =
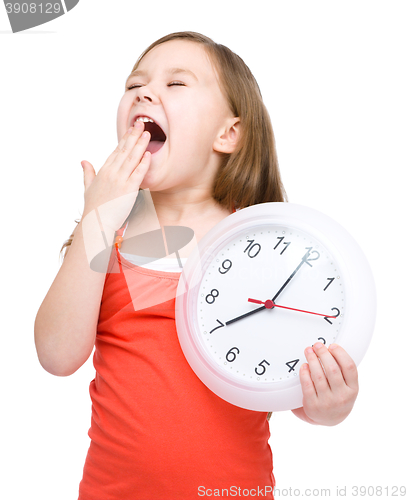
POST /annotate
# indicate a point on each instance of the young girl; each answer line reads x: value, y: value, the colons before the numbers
x: 195, y: 143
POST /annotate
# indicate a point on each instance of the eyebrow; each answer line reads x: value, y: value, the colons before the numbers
x: 172, y: 72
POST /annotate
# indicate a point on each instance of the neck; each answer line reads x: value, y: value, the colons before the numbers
x: 178, y: 208
x: 159, y: 210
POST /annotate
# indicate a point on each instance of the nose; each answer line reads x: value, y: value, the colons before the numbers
x: 141, y: 98
x: 145, y: 93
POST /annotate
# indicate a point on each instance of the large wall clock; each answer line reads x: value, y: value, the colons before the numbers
x: 261, y: 286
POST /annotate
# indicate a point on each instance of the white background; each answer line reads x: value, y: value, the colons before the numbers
x: 334, y: 79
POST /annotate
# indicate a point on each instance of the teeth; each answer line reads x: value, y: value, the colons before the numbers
x: 144, y: 119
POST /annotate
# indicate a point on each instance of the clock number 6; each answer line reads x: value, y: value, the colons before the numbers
x: 263, y: 367
x: 231, y: 355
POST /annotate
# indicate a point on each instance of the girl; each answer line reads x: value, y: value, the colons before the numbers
x: 195, y: 142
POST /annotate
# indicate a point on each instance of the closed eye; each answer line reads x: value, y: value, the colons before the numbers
x: 134, y: 86
x: 138, y: 85
x: 176, y: 83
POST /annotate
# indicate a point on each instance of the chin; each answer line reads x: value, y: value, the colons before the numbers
x: 147, y: 182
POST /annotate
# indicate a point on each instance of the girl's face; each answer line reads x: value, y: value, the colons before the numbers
x: 176, y: 86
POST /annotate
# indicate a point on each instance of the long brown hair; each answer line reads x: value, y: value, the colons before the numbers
x: 250, y: 175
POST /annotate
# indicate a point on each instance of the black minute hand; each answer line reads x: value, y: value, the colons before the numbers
x: 304, y: 259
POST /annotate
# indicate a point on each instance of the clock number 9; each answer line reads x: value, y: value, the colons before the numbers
x: 231, y: 356
x: 226, y: 268
x: 212, y: 296
x: 251, y: 246
x: 261, y: 364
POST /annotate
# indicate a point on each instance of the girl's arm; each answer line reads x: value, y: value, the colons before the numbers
x: 65, y: 326
x: 66, y: 323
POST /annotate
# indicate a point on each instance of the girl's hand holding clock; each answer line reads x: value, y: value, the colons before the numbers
x: 329, y: 384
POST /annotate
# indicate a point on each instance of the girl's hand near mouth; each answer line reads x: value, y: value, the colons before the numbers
x: 113, y: 191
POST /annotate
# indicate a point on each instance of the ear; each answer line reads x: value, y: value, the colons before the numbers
x: 226, y: 141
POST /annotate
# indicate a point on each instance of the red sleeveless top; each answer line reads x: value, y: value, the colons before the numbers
x: 157, y: 432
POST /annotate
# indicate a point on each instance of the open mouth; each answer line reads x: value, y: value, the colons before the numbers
x: 158, y: 137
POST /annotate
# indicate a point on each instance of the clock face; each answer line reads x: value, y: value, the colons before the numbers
x: 262, y: 285
x: 299, y: 294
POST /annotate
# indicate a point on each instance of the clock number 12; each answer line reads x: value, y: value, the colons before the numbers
x: 307, y: 258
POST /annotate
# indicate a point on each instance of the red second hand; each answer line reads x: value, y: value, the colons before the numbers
x: 269, y: 304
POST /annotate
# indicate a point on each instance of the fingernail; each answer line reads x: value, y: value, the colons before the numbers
x: 318, y: 345
x: 308, y: 350
x: 332, y: 346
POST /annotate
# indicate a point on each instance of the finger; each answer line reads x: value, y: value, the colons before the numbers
x: 139, y: 172
x: 89, y: 173
x: 346, y: 364
x: 316, y: 372
x: 306, y: 382
x: 136, y: 137
x: 119, y: 147
x: 135, y: 155
x: 331, y: 367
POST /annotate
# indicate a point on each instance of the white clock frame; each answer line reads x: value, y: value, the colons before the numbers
x: 359, y: 288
